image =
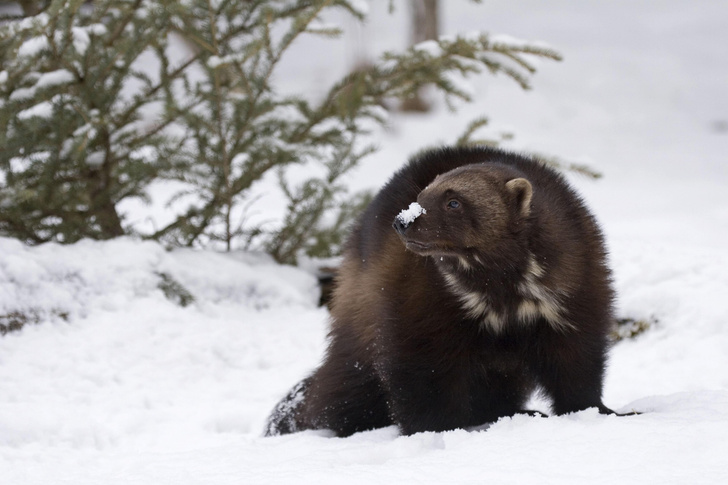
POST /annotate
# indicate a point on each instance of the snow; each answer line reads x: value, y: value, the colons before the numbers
x: 117, y: 383
x: 81, y: 39
x: 430, y: 47
x: 216, y: 61
x: 97, y: 29
x: 461, y: 85
x: 407, y: 216
x: 33, y: 46
x: 317, y: 26
x: 54, y: 78
x: 360, y: 6
x: 96, y: 159
x: 19, y: 164
x: 378, y: 112
x: 22, y: 94
x: 45, y: 80
x: 510, y: 41
x: 40, y: 110
x: 146, y: 153
x: 40, y: 20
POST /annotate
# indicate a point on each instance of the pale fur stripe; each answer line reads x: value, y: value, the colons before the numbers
x: 537, y: 302
x: 540, y: 300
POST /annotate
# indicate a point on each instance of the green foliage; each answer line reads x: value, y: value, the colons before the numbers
x: 71, y: 130
x: 94, y: 107
x: 467, y: 137
x: 564, y: 165
x: 174, y: 290
x: 15, y: 320
x: 239, y: 129
x: 629, y: 328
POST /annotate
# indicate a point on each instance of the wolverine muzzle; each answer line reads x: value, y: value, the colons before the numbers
x: 399, y: 226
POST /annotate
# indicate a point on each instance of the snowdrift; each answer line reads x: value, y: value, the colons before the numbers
x: 129, y: 386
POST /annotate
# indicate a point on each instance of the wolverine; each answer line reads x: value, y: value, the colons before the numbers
x: 493, y: 285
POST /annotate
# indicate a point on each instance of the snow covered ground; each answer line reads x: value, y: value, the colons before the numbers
x: 119, y: 384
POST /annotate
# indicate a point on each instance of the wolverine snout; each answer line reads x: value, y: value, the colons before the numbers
x: 400, y: 226
x: 407, y: 216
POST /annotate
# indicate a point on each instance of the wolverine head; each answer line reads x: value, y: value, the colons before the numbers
x: 474, y: 208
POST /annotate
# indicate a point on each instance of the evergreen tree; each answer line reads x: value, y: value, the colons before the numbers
x: 94, y: 107
x: 73, y: 135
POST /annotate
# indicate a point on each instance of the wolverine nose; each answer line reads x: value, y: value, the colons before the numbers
x: 399, y: 225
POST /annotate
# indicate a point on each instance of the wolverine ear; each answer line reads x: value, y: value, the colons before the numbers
x: 522, y: 191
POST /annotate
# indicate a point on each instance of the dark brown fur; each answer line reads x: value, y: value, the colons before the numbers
x: 455, y: 319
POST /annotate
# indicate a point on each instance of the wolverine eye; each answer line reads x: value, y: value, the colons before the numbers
x: 453, y: 204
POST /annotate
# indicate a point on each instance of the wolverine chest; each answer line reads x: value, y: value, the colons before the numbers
x: 519, y: 299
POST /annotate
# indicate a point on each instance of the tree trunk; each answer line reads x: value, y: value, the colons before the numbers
x: 425, y: 26
x: 102, y: 205
x: 109, y: 221
x: 32, y: 7
x: 425, y: 20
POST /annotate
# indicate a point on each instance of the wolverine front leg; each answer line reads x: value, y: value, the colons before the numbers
x: 426, y: 399
x: 344, y: 395
x: 571, y: 372
x: 287, y: 414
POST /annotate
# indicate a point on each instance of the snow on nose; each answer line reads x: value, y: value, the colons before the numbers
x: 407, y: 217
